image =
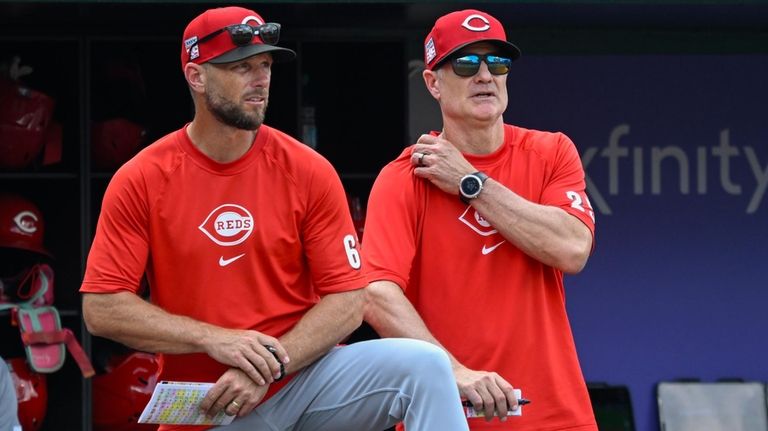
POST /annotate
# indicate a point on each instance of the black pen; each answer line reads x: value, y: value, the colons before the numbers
x: 520, y: 402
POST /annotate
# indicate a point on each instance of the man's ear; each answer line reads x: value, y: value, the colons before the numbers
x: 195, y: 75
x: 432, y: 82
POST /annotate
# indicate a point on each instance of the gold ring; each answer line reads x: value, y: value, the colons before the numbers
x: 234, y: 403
x: 421, y: 159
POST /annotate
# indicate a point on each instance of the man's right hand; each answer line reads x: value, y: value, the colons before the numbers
x: 245, y: 350
x: 487, y: 391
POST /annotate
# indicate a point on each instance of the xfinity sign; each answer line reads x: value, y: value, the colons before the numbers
x: 691, y: 169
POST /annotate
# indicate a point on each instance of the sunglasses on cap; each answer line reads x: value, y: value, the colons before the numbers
x: 243, y: 34
x: 468, y: 65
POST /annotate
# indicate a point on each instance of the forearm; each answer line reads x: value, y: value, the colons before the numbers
x: 391, y: 314
x: 322, y: 327
x: 130, y: 320
x: 546, y: 233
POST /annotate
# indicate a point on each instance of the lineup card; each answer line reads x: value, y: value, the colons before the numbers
x: 179, y: 403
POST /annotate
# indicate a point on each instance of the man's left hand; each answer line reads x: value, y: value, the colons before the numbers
x: 234, y: 393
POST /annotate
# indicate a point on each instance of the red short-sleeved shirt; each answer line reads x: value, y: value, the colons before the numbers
x: 251, y: 244
x: 487, y: 302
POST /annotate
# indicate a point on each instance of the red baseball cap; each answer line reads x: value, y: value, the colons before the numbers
x: 456, y: 30
x: 21, y: 224
x: 221, y: 48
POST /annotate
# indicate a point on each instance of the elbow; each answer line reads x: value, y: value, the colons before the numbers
x: 575, y: 259
x: 91, y: 321
x: 95, y: 317
x: 383, y: 298
x: 573, y: 265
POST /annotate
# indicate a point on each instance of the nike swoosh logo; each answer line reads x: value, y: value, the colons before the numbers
x: 487, y: 250
x: 225, y: 262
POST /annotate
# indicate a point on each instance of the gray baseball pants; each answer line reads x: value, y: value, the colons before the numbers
x: 8, y: 403
x: 366, y: 386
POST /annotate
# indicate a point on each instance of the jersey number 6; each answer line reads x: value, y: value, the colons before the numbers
x: 353, y: 256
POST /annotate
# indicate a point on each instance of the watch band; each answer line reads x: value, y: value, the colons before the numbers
x: 273, y: 351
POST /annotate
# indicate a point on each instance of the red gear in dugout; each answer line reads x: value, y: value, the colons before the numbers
x: 21, y: 224
x: 122, y: 390
x: 26, y: 127
x: 31, y: 393
x: 21, y: 231
x: 21, y: 238
x: 120, y: 394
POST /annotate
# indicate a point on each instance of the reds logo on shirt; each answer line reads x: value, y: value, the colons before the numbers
x: 228, y: 225
x: 474, y: 220
x: 492, y: 238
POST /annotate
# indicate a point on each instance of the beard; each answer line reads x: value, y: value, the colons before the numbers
x: 233, y: 115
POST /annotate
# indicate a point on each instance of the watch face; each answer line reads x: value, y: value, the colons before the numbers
x: 470, y: 186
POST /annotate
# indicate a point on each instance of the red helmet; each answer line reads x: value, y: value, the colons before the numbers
x: 24, y: 118
x: 21, y: 224
x: 120, y: 394
x: 31, y: 392
x: 114, y: 142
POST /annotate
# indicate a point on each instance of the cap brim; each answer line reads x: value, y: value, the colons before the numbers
x: 21, y: 245
x: 278, y: 54
x: 507, y: 48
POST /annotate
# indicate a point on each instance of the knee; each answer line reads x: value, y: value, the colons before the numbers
x: 420, y: 357
x: 428, y: 355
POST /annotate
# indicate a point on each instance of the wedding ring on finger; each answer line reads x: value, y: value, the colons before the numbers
x: 232, y: 409
x: 421, y: 158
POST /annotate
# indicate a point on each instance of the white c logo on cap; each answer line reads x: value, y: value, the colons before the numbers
x: 470, y: 27
x: 251, y: 17
x: 26, y: 222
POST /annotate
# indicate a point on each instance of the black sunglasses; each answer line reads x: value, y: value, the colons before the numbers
x: 242, y: 34
x: 468, y: 65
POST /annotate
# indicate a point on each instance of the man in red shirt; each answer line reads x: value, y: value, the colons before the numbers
x: 246, y: 241
x: 469, y: 232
